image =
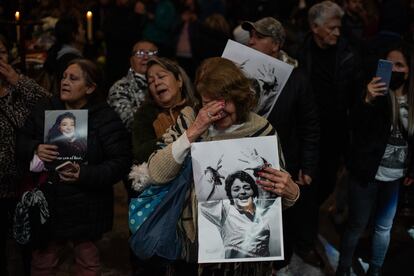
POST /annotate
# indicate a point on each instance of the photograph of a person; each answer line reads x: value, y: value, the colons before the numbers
x: 269, y: 74
x: 67, y: 129
x: 238, y: 221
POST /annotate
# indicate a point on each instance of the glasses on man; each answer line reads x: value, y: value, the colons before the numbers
x: 143, y: 53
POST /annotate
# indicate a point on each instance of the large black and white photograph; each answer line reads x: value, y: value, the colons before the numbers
x: 269, y: 74
x: 237, y: 220
x: 68, y: 130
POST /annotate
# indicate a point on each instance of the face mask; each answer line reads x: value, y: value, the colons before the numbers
x: 397, y: 79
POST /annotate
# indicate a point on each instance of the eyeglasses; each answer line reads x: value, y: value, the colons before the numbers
x: 142, y: 53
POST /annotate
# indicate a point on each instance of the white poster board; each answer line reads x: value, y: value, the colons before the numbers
x: 241, y: 222
x: 270, y: 73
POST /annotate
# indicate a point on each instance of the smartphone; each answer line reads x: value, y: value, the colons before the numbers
x: 384, y: 71
x: 66, y: 166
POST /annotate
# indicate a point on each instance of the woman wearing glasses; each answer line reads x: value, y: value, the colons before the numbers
x: 128, y: 93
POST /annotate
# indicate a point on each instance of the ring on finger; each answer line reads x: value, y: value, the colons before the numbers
x: 209, y: 114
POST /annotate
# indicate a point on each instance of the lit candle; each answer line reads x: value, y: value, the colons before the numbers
x: 89, y: 25
x: 17, y: 17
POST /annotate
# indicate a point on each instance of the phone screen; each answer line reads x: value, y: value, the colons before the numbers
x: 384, y: 71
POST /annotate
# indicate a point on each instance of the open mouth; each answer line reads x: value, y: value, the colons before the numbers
x: 244, y: 198
x: 161, y: 92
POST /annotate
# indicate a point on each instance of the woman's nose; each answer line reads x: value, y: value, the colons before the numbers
x: 157, y: 81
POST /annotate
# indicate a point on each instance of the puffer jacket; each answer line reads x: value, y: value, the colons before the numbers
x: 84, y: 209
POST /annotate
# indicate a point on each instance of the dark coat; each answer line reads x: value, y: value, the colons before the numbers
x: 296, y: 121
x: 144, y: 139
x: 83, y: 209
x: 371, y: 129
x: 348, y: 79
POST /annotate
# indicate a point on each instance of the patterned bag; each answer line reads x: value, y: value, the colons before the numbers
x: 157, y: 233
x: 141, y: 207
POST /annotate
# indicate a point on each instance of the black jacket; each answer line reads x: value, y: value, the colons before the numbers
x: 348, y: 79
x: 371, y: 128
x: 83, y: 209
x: 296, y: 121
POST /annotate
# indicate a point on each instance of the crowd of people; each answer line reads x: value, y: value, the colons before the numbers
x: 153, y: 81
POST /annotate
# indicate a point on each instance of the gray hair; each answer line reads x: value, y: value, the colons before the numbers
x: 319, y: 13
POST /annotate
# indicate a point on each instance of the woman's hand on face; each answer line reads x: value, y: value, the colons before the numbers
x: 47, y: 153
x: 71, y: 175
x: 374, y: 89
x: 278, y: 182
x: 207, y: 115
x: 8, y: 73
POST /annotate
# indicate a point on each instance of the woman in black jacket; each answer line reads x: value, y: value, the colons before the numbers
x: 381, y: 158
x: 80, y: 199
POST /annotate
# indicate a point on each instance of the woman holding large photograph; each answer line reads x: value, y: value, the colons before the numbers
x: 80, y: 198
x: 227, y: 101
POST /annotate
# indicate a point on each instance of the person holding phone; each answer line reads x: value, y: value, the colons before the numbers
x: 381, y: 158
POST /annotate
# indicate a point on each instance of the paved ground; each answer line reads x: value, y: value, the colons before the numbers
x: 115, y: 252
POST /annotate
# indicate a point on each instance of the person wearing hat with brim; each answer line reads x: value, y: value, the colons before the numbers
x: 296, y: 120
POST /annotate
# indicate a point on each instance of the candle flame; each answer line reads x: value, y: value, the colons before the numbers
x: 89, y: 14
x: 17, y: 15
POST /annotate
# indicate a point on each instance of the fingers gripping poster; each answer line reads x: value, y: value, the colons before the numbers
x: 238, y: 221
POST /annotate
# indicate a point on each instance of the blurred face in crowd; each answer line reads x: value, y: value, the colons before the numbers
x: 327, y: 33
x: 354, y: 6
x: 67, y: 127
x: 80, y: 36
x: 242, y: 194
x: 228, y: 113
x: 264, y: 44
x: 4, y: 55
x: 399, y: 63
x: 73, y: 87
x: 141, y: 53
x: 165, y: 89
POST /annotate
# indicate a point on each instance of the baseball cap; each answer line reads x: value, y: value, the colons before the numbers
x: 267, y: 26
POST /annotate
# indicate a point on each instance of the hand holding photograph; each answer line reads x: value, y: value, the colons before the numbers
x: 237, y: 219
x: 67, y: 129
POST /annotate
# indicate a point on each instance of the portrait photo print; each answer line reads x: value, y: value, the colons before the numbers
x: 237, y: 220
x: 68, y: 130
